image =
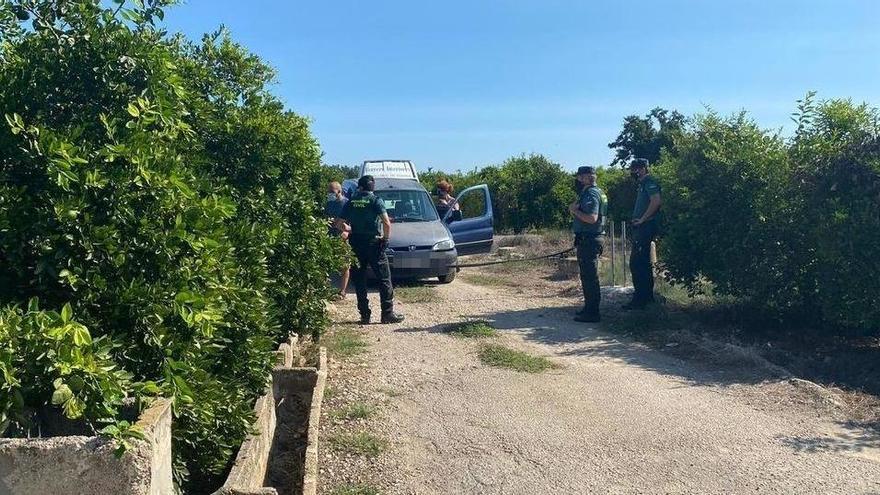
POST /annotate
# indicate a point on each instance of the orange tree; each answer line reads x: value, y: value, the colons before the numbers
x: 155, y: 189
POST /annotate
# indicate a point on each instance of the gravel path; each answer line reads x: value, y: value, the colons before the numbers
x: 616, y: 417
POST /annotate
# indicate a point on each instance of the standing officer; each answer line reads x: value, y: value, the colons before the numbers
x: 644, y: 229
x: 363, y: 213
x: 589, y: 212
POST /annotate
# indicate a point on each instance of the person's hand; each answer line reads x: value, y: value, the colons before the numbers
x: 637, y: 222
x: 383, y: 244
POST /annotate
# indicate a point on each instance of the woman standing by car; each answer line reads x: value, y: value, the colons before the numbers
x: 445, y: 200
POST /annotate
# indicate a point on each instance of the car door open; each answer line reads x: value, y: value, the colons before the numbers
x: 472, y: 224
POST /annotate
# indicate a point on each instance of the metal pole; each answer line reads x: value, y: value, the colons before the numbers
x: 612, y: 254
x: 623, y: 248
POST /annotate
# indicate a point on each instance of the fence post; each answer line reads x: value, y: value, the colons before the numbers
x: 612, y: 253
x: 623, y: 248
x: 654, y: 256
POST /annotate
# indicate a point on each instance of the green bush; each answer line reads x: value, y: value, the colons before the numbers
x: 161, y: 191
x: 836, y: 156
x: 791, y: 226
x: 621, y: 191
x: 724, y: 198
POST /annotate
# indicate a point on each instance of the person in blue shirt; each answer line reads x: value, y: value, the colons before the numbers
x: 336, y: 201
x: 644, y: 229
x: 589, y: 212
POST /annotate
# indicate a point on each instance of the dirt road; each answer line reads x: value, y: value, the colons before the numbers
x: 616, y: 417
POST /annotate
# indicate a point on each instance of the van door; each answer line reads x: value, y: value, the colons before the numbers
x: 472, y: 225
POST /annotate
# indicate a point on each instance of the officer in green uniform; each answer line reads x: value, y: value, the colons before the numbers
x: 644, y: 224
x: 589, y: 212
x: 363, y: 213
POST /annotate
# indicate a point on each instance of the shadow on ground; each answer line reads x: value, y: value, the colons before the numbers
x: 554, y: 327
x: 854, y: 438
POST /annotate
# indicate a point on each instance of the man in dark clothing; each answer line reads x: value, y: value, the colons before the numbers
x: 589, y: 212
x: 644, y: 229
x: 363, y: 213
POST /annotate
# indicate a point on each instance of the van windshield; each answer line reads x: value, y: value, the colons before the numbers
x: 408, y: 206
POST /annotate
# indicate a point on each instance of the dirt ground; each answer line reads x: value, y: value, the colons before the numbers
x: 618, y: 415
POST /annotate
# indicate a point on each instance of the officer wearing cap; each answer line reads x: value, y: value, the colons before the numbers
x: 589, y: 213
x: 644, y: 224
x: 364, y: 212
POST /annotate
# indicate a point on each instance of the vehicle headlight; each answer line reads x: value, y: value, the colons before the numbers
x: 444, y: 245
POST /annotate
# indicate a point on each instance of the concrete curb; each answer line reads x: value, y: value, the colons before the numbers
x: 87, y: 465
x: 310, y: 471
x: 250, y: 469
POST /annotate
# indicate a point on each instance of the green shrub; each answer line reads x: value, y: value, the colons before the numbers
x: 157, y: 187
x: 836, y: 153
x: 47, y: 358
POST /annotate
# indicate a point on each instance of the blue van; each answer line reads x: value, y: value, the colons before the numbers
x: 422, y: 244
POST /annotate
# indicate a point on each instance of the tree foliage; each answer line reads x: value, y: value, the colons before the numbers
x: 156, y: 188
x: 527, y: 191
x: 647, y: 137
x: 790, y: 225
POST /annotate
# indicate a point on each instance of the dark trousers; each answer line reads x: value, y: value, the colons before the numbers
x: 640, y: 263
x: 589, y: 248
x: 370, y: 255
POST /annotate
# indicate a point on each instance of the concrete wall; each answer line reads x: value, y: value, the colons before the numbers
x: 310, y: 471
x: 249, y: 470
x: 87, y: 465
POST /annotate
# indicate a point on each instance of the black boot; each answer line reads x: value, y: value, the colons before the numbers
x: 365, y: 318
x: 391, y: 317
x: 587, y: 318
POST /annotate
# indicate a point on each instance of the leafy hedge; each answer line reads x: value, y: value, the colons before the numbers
x: 156, y: 189
x: 791, y: 225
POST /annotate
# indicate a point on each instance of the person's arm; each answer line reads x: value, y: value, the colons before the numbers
x: 653, y: 207
x: 386, y: 226
x: 583, y: 217
x: 339, y: 222
x: 587, y: 208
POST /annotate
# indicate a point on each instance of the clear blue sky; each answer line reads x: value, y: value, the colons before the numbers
x: 456, y: 84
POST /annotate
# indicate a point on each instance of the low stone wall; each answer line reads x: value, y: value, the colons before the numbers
x: 249, y: 472
x: 87, y: 465
x: 310, y: 475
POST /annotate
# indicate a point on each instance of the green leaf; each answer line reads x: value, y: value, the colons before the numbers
x: 81, y: 335
x: 61, y: 395
x: 133, y: 110
x: 66, y: 313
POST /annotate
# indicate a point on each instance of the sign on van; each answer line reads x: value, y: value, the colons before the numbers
x: 390, y: 169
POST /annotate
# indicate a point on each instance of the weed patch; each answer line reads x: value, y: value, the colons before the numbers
x: 354, y: 489
x: 363, y: 443
x: 473, y: 330
x: 345, y: 343
x: 505, y: 357
x: 415, y: 294
x: 358, y: 410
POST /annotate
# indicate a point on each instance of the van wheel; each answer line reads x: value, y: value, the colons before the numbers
x: 448, y: 278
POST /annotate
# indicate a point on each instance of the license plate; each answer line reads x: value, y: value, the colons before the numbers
x: 411, y: 263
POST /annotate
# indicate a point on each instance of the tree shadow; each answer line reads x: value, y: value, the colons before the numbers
x: 853, y: 438
x: 555, y: 328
